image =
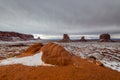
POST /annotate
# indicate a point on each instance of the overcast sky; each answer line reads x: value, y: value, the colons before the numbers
x: 55, y: 17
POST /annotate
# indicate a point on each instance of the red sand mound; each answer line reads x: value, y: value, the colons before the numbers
x: 86, y: 71
x: 55, y: 54
x: 35, y: 48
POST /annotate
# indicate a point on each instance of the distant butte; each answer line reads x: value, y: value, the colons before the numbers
x: 14, y: 36
x: 66, y: 38
x: 83, y: 39
x: 105, y: 38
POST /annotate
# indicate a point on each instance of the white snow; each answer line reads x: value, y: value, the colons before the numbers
x: 106, y: 52
x: 112, y: 64
x: 34, y: 60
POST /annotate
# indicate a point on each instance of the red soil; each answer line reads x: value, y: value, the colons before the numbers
x: 85, y: 71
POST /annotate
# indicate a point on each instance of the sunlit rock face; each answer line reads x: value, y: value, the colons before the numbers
x: 105, y: 37
x: 66, y: 38
x: 14, y: 36
x: 55, y: 54
x: 33, y: 49
x: 83, y: 39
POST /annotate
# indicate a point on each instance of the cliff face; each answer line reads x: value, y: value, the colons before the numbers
x: 105, y: 38
x: 66, y: 38
x: 13, y: 36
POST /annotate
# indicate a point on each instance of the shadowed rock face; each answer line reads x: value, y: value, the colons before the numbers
x: 55, y: 54
x: 33, y: 49
x: 83, y: 39
x: 13, y: 36
x: 65, y: 38
x: 105, y: 37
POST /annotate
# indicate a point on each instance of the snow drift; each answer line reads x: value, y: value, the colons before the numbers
x: 34, y: 60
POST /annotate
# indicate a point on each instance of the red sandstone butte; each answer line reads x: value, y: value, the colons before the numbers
x: 66, y: 38
x: 105, y: 38
x: 14, y: 36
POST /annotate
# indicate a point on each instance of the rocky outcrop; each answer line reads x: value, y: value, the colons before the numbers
x: 14, y: 36
x: 33, y: 49
x: 65, y: 38
x: 55, y: 54
x: 52, y: 53
x: 39, y: 38
x: 83, y: 39
x: 105, y: 38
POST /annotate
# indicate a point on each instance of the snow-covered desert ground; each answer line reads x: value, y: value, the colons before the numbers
x: 106, y: 52
x: 34, y: 60
x: 9, y: 49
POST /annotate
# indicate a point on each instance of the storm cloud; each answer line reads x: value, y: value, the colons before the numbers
x: 56, y: 17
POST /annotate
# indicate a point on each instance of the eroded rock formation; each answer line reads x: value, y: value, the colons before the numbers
x: 56, y: 55
x: 105, y: 37
x: 66, y: 38
x: 83, y: 39
x: 14, y: 36
x: 33, y: 49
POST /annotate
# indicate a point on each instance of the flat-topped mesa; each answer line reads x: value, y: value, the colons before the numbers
x: 105, y: 38
x: 56, y: 55
x: 14, y: 36
x: 83, y: 39
x: 66, y: 38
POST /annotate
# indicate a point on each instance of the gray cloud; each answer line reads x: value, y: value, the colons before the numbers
x: 60, y: 16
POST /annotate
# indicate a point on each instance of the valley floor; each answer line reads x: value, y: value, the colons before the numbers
x: 107, y: 53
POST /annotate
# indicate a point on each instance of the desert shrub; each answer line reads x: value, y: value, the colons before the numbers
x: 10, y: 55
x: 99, y: 63
x: 92, y: 59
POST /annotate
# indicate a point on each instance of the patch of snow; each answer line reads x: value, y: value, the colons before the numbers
x: 34, y: 60
x: 112, y: 64
x: 106, y: 52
